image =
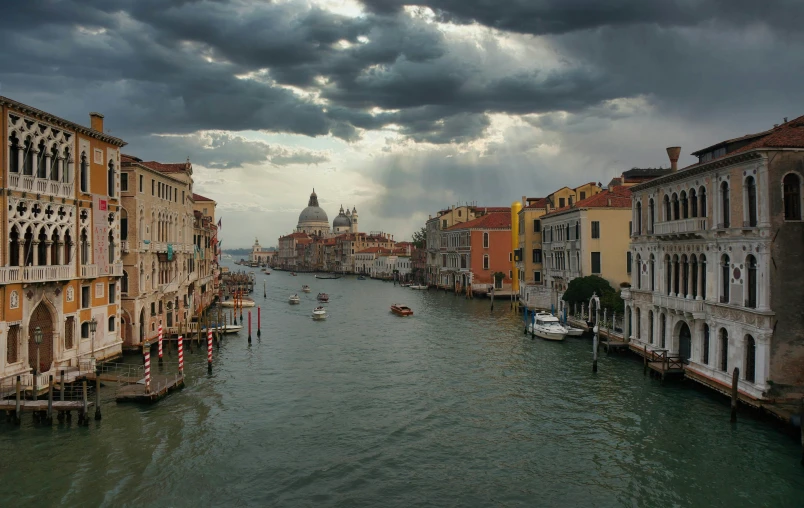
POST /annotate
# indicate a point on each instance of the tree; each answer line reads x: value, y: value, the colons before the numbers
x: 420, y: 238
x: 581, y: 289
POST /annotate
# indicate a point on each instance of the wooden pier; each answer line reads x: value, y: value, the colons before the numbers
x: 161, y: 386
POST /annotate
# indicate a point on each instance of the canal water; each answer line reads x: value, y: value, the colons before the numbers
x: 452, y: 407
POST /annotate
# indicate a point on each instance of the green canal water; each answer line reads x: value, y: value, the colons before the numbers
x: 452, y: 407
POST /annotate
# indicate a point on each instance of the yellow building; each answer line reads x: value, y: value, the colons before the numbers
x: 61, y: 261
x: 567, y: 196
x: 530, y: 248
x: 590, y: 238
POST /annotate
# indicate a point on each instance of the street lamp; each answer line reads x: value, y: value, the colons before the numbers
x: 93, y: 326
x: 38, y: 340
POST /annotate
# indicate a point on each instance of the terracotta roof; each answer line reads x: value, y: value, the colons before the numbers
x: 493, y: 209
x: 489, y: 221
x: 175, y: 167
x: 615, y: 197
x: 587, y: 183
x: 373, y: 250
x: 128, y: 159
x: 537, y: 203
x: 199, y: 197
x: 294, y: 235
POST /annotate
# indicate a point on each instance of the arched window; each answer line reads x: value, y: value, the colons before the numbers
x: 676, y: 275
x: 67, y: 167
x: 702, y: 199
x: 676, y: 210
x: 724, y: 279
x: 141, y: 280
x: 639, y: 218
x: 724, y: 205
x: 577, y: 230
x: 28, y: 157
x: 84, y: 170
x: 668, y: 274
x: 750, y: 359
x: 111, y: 247
x: 685, y: 279
x: 651, y: 216
x: 792, y: 196
x: 68, y: 248
x: 652, y: 273
x: 54, y: 163
x: 702, y: 260
x: 751, y: 196
x: 14, y: 153
x: 705, y: 352
x: 668, y: 214
x: 123, y: 225
x: 111, y: 323
x: 84, y: 247
x: 650, y: 326
x: 685, y: 208
x: 724, y: 350
x: 485, y: 240
x: 751, y: 265
x: 485, y: 261
x: 110, y: 179
x: 124, y: 283
x: 41, y: 167
x: 638, y: 271
x: 42, y: 248
x: 663, y: 330
x: 693, y: 198
x: 14, y: 247
x: 638, y: 323
x: 694, y: 274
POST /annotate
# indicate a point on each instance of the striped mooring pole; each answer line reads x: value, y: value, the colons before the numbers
x: 209, y: 349
x: 147, y: 370
x: 160, y: 343
x: 181, y: 356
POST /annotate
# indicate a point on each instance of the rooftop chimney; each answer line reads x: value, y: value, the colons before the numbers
x: 96, y: 122
x: 785, y: 119
x: 673, y: 152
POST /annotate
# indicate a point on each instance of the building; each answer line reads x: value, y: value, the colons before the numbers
x: 590, y: 237
x: 61, y: 260
x: 532, y: 288
x: 473, y: 251
x: 636, y: 176
x: 287, y: 250
x: 205, y: 265
x: 314, y: 222
x: 260, y: 255
x: 567, y: 196
x: 157, y: 228
x: 717, y: 253
x: 364, y: 260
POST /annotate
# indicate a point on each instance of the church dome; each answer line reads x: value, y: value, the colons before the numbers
x: 341, y: 221
x: 313, y: 212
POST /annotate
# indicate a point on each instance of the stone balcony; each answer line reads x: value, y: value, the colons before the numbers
x: 89, y: 271
x: 125, y: 245
x: 116, y: 269
x: 680, y: 304
x: 625, y: 293
x: 47, y: 273
x: 30, y: 183
x: 684, y: 228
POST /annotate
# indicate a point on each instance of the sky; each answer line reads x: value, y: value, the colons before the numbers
x: 404, y: 107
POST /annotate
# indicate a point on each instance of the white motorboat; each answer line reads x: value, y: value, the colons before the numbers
x: 319, y: 313
x: 547, y: 327
x: 418, y: 287
x: 574, y: 332
x: 247, y: 302
x: 226, y: 328
x: 294, y: 299
x: 306, y: 288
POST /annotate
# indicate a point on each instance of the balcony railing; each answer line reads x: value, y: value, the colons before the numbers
x: 682, y: 227
x: 30, y: 183
x: 47, y: 273
x: 125, y: 246
x: 117, y: 269
x: 10, y: 274
x: 89, y: 271
x: 686, y: 305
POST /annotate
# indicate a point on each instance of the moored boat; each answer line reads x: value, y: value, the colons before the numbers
x: 319, y: 313
x: 548, y: 327
x: 323, y: 297
x: 418, y: 287
x: 247, y: 302
x: 293, y: 273
x: 401, y: 310
x: 225, y: 328
x: 573, y: 332
x: 306, y: 288
x: 294, y: 299
x: 361, y: 278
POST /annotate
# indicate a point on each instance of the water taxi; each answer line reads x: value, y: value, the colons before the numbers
x: 306, y: 288
x: 548, y: 327
x: 323, y: 297
x: 294, y: 299
x: 319, y: 313
x: 401, y: 310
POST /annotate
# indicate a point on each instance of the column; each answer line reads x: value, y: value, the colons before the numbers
x: 34, y: 253
x: 48, y: 247
x: 21, y: 245
x: 698, y: 283
x: 689, y: 278
x: 763, y: 281
x: 762, y: 341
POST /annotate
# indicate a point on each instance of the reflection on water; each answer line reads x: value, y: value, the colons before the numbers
x: 453, y: 406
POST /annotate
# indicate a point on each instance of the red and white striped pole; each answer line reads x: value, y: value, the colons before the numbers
x: 147, y: 369
x: 160, y: 343
x: 181, y: 356
x: 209, y: 349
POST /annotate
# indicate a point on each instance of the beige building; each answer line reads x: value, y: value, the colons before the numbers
x: 530, y: 263
x: 205, y: 264
x: 591, y: 237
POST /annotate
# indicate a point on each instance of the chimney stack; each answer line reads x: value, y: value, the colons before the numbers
x: 96, y: 122
x: 785, y: 119
x: 673, y: 152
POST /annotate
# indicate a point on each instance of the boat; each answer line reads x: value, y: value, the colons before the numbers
x: 419, y: 287
x: 306, y: 288
x: 247, y: 302
x: 225, y: 328
x: 404, y: 284
x: 401, y: 310
x: 267, y: 272
x: 323, y: 297
x: 327, y: 276
x: 319, y: 313
x: 293, y: 273
x: 361, y: 278
x: 573, y: 332
x: 547, y: 327
x: 294, y: 299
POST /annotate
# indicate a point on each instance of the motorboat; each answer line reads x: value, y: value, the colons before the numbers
x: 325, y: 277
x: 293, y: 273
x: 323, y: 297
x: 404, y: 284
x: 319, y: 313
x: 361, y: 278
x: 267, y: 272
x: 419, y: 287
x: 306, y: 288
x: 246, y: 302
x: 547, y: 326
x: 225, y: 328
x: 573, y: 332
x: 294, y: 299
x: 401, y: 310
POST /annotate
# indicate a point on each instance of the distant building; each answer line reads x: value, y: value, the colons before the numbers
x: 472, y: 252
x: 260, y: 255
x: 636, y: 176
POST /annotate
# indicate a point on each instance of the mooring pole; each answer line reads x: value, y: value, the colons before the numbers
x: 735, y: 378
x: 595, y: 341
x: 50, y: 400
x: 97, y: 398
x: 264, y: 292
x: 492, y: 299
x: 801, y: 425
x: 209, y: 350
x: 84, y: 406
x: 249, y: 327
x: 258, y: 323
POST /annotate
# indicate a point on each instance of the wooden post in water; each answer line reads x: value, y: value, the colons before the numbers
x: 525, y: 319
x: 264, y: 292
x: 801, y: 425
x: 595, y: 342
x: 533, y: 325
x: 84, y: 407
x: 50, y: 400
x: 97, y: 398
x: 735, y: 378
x: 17, y: 418
x: 234, y: 318
x: 249, y: 327
x: 492, y: 299
x: 219, y: 327
x: 645, y: 360
x: 258, y: 323
x: 60, y: 416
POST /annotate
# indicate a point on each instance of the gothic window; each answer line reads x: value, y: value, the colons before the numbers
x: 84, y: 170
x: 68, y: 248
x: 675, y: 275
x: 84, y: 247
x: 724, y: 350
x: 663, y: 331
x: 651, y: 216
x: 638, y: 323
x: 668, y: 214
x: 54, y: 163
x: 124, y: 283
x: 639, y: 217
x: 28, y: 159
x: 751, y: 265
x: 685, y: 209
x: 702, y: 199
x: 694, y: 270
x: 650, y: 326
x: 706, y: 344
x: 693, y: 199
x: 724, y: 279
x: 751, y: 196
x: 685, y: 271
x: 485, y: 240
x: 14, y: 153
x: 792, y: 196
x: 14, y: 247
x: 702, y: 260
x: 652, y: 273
x: 638, y: 271
x: 485, y: 261
x: 110, y: 179
x: 724, y: 204
x: 111, y: 247
x: 41, y: 167
x: 668, y: 274
x: 750, y: 359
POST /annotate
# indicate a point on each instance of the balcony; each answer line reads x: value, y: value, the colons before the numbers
x: 116, y: 269
x: 10, y: 274
x: 684, y: 228
x: 125, y: 246
x: 47, y: 273
x: 625, y: 293
x: 29, y: 183
x: 89, y: 271
x: 683, y: 305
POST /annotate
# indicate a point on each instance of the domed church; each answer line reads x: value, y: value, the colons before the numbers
x: 313, y: 220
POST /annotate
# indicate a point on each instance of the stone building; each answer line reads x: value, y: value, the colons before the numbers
x: 61, y: 258
x: 260, y: 255
x: 205, y: 266
x: 473, y: 251
x: 717, y: 252
x: 158, y: 255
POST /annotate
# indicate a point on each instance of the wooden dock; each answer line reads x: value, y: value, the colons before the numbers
x: 32, y: 406
x: 160, y: 387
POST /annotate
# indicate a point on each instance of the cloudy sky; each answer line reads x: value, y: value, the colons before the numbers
x: 401, y: 107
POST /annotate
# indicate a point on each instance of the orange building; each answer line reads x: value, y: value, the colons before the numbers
x: 473, y: 251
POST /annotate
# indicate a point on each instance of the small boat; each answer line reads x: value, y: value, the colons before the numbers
x: 226, y: 328
x: 573, y: 332
x: 267, y: 272
x: 401, y: 310
x: 327, y: 276
x: 306, y: 288
x: 404, y: 284
x: 293, y: 273
x: 323, y: 297
x: 247, y: 302
x: 319, y: 313
x: 548, y: 327
x: 294, y: 299
x: 418, y: 287
x: 361, y: 278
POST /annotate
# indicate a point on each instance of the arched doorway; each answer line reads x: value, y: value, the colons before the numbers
x: 684, y: 342
x: 43, y: 319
